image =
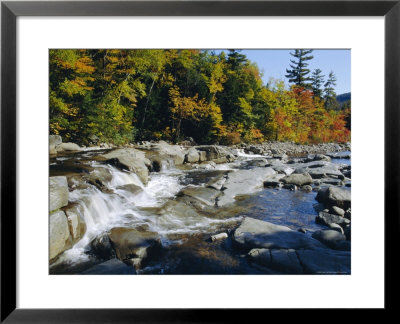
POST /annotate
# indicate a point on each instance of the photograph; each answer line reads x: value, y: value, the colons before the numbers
x: 199, y: 161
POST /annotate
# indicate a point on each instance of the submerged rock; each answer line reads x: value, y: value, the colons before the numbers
x: 110, y: 267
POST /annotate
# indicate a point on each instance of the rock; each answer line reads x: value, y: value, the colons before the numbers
x: 220, y: 236
x: 110, y: 267
x: 129, y: 243
x: 192, y: 156
x: 282, y: 260
x: 52, y: 150
x: 291, y: 187
x: 202, y: 156
x: 307, y: 188
x: 257, y: 162
x: 100, y: 176
x: 324, y: 261
x: 76, y: 222
x: 273, y: 181
x: 129, y: 159
x: 101, y: 247
x: 298, y: 179
x: 132, y: 188
x: 218, y: 154
x: 216, y: 183
x: 318, y: 157
x: 254, y: 233
x: 337, y: 211
x: 329, y: 237
x: 206, y: 196
x: 55, y: 140
x: 243, y: 182
x: 58, y: 188
x: 347, y: 214
x: 334, y: 196
x: 324, y: 218
x: 347, y: 232
x: 336, y: 227
x: 68, y: 147
x: 163, y: 149
x: 60, y: 239
x: 302, y: 230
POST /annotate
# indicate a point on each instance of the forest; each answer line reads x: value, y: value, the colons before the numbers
x: 121, y: 96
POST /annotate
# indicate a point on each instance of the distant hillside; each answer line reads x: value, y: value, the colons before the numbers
x: 343, y: 97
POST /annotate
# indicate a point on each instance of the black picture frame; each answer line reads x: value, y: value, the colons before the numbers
x: 10, y: 10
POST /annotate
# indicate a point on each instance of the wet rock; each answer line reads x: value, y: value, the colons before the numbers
x: 273, y: 181
x: 192, y: 156
x: 317, y: 157
x: 110, y: 267
x: 217, y: 183
x: 102, y: 248
x: 205, y: 195
x: 337, y: 211
x: 58, y: 188
x: 132, y: 188
x: 307, y: 188
x: 254, y: 233
x: 347, y: 232
x: 129, y: 159
x: 347, y: 214
x: 218, y: 154
x: 336, y: 228
x: 324, y: 261
x: 243, y: 182
x: 334, y: 196
x: 302, y: 230
x: 76, y: 222
x: 220, y: 236
x: 260, y: 256
x: 285, y: 261
x: 129, y: 243
x: 257, y: 162
x: 100, y: 176
x: 329, y: 237
x: 298, y: 179
x: 291, y: 187
x: 324, y: 218
x: 59, y: 238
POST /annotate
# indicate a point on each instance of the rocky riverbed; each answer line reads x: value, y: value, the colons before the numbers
x: 158, y: 208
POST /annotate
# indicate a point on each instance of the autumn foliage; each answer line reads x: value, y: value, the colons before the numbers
x: 122, y: 96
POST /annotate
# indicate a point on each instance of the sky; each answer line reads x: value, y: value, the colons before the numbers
x: 273, y: 63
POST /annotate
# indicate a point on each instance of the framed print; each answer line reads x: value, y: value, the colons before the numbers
x: 185, y: 170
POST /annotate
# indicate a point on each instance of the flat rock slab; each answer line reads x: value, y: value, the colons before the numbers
x: 254, y: 233
x: 243, y: 182
x: 330, y: 238
x: 206, y: 196
x: 324, y: 261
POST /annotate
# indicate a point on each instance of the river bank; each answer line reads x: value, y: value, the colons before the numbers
x: 158, y: 208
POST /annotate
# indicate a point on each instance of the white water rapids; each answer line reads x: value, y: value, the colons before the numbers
x: 121, y: 208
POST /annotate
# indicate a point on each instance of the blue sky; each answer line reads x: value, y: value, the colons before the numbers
x: 273, y: 63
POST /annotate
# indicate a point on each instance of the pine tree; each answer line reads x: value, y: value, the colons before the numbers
x: 299, y: 72
x: 317, y: 82
x: 329, y: 91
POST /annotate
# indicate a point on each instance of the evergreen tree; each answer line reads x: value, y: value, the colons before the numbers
x: 298, y: 74
x: 317, y: 82
x: 329, y: 92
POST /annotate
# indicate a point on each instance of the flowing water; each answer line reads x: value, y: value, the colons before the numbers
x: 184, y: 239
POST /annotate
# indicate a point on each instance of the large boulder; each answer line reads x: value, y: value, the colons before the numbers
x: 282, y: 260
x: 76, y: 222
x: 298, y: 179
x: 101, y: 247
x: 129, y: 159
x: 58, y: 188
x: 324, y: 261
x: 330, y: 238
x: 55, y: 140
x: 192, y: 156
x: 243, y: 182
x: 334, y: 196
x: 60, y: 239
x: 206, y: 196
x: 254, y: 233
x: 218, y: 154
x: 129, y: 243
x: 327, y: 219
x: 164, y: 151
x: 66, y: 147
